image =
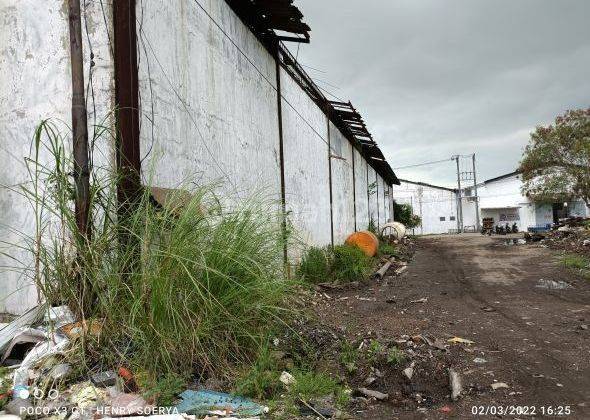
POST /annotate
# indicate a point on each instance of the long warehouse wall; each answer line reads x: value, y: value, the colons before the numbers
x: 35, y: 84
x: 209, y: 114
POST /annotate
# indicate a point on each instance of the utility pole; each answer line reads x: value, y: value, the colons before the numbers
x: 79, y: 123
x: 477, y: 221
x: 459, y: 199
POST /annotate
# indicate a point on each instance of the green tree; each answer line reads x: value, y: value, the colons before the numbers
x: 556, y: 162
x: 403, y: 213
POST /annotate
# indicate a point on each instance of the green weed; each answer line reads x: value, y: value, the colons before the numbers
x: 349, y: 356
x: 350, y: 264
x: 575, y: 261
x: 315, y: 265
x: 395, y: 356
x: 387, y: 249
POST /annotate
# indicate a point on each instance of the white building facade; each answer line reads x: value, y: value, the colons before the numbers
x: 436, y: 206
x: 501, y: 198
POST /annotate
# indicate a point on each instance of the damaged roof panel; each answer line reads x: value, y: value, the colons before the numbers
x: 265, y: 17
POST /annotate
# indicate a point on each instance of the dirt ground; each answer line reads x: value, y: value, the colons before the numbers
x: 531, y: 338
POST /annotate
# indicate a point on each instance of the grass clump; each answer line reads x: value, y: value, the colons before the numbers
x: 395, y: 356
x: 386, y: 249
x: 177, y: 290
x: 575, y: 261
x: 579, y: 263
x: 316, y: 265
x: 350, y: 264
x: 349, y: 357
x: 342, y: 263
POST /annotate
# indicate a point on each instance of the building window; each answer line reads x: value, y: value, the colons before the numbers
x: 452, y: 218
x: 442, y: 219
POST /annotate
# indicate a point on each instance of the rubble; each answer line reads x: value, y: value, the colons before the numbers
x: 455, y: 384
x: 373, y: 394
x: 499, y: 385
x: 552, y: 284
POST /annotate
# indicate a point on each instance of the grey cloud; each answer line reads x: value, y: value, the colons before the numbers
x: 434, y: 78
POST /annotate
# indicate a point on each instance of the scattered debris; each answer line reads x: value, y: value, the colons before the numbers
x: 459, y: 340
x: 203, y: 402
x: 455, y: 384
x: 409, y: 371
x: 422, y: 300
x: 499, y: 385
x: 287, y: 379
x: 401, y: 270
x: 553, y: 285
x: 583, y: 327
x: 479, y: 360
x: 381, y: 272
x: 104, y: 379
x: 488, y: 309
x: 129, y: 405
x: 373, y: 394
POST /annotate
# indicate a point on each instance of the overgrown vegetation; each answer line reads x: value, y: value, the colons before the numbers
x: 177, y: 291
x: 342, y: 263
x: 579, y: 263
x: 262, y: 381
x: 404, y: 214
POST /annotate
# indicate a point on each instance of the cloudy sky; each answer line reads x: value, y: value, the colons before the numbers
x: 435, y: 78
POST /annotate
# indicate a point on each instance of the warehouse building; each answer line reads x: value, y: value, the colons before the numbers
x: 436, y: 206
x: 206, y: 92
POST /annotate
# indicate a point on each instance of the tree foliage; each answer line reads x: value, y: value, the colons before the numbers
x: 403, y: 213
x: 556, y: 162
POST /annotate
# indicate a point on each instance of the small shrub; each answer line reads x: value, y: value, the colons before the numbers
x: 349, y: 357
x: 166, y: 389
x: 395, y: 356
x: 315, y: 265
x: 387, y: 249
x: 374, y: 351
x: 261, y: 380
x: 350, y: 264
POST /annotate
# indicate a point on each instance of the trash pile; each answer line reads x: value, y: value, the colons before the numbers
x: 37, y: 380
x: 571, y: 234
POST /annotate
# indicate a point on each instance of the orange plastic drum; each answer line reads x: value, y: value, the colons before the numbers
x: 365, y: 240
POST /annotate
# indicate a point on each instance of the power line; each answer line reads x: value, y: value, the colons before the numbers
x: 424, y: 163
x: 260, y: 72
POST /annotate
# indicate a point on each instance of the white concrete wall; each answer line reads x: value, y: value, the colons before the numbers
x: 373, y: 196
x: 382, y: 204
x: 342, y: 182
x: 214, y: 115
x: 362, y: 198
x: 35, y: 84
x: 430, y: 204
x: 307, y: 183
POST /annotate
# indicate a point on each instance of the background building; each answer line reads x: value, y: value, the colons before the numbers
x: 436, y: 206
x: 501, y: 198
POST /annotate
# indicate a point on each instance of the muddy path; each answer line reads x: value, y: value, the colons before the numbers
x: 534, y: 339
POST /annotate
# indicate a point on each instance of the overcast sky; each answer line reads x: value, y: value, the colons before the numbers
x: 435, y: 78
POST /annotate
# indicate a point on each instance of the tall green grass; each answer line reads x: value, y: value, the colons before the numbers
x: 192, y: 289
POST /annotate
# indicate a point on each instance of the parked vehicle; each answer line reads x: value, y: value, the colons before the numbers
x: 514, y: 228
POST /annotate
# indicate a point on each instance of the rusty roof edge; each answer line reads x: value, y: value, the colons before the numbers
x: 368, y: 148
